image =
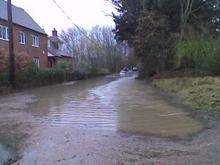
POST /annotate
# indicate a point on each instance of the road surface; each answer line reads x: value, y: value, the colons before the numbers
x: 103, y: 121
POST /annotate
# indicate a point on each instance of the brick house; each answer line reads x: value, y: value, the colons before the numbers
x: 56, y: 52
x: 28, y: 35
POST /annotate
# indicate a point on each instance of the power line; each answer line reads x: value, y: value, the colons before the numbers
x: 63, y: 11
x: 80, y: 30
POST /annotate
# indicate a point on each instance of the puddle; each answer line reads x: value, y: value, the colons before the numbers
x: 125, y: 104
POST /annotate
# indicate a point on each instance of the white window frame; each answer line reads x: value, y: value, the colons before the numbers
x: 36, y: 60
x: 35, y: 41
x: 22, y: 38
x: 4, y: 33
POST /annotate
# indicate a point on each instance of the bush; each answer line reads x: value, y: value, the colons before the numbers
x: 29, y: 75
x: 3, y: 78
x: 34, y: 76
x: 40, y: 77
x: 22, y: 61
x: 79, y: 75
x: 200, y: 54
x: 93, y: 72
x: 104, y: 71
x: 63, y: 66
x: 3, y: 61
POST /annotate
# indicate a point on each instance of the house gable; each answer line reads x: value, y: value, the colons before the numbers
x: 20, y: 17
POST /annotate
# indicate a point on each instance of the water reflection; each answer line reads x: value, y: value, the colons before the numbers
x: 141, y: 110
x: 72, y: 104
x: 125, y: 104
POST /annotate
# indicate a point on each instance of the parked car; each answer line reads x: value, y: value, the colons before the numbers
x: 135, y: 69
x: 125, y: 71
x: 122, y: 73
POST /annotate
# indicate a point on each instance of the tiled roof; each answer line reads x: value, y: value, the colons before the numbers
x: 52, y: 52
x: 55, y: 39
x: 20, y: 17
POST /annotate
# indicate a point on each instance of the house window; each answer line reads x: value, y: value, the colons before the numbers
x: 37, y: 62
x: 4, y: 33
x: 35, y: 41
x: 22, y: 38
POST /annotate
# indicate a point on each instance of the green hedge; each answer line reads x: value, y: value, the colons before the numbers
x: 40, y: 76
x: 200, y: 53
x: 33, y: 76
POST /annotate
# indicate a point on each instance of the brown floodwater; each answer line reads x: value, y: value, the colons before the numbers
x: 120, y: 105
x: 97, y: 121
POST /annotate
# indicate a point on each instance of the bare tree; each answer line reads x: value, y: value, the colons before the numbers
x: 96, y: 50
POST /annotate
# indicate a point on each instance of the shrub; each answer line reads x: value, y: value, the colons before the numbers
x: 79, y: 75
x: 93, y: 71
x: 201, y: 54
x: 104, y: 71
x: 64, y: 65
x: 22, y: 61
x: 35, y: 76
x: 4, y: 78
x: 3, y: 61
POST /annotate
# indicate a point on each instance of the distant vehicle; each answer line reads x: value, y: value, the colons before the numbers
x: 135, y: 69
x: 126, y: 71
x: 123, y: 73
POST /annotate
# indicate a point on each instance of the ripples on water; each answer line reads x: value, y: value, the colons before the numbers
x: 124, y: 104
x: 74, y: 104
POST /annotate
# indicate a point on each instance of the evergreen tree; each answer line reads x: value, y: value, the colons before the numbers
x: 153, y: 27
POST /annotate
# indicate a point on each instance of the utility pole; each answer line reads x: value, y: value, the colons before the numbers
x: 11, y: 45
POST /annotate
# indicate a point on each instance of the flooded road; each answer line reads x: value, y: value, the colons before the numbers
x: 97, y: 121
x: 126, y: 105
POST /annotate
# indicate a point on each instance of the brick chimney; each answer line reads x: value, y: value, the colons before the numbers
x: 55, y: 41
x: 54, y: 33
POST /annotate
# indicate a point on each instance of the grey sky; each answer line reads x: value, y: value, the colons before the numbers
x: 85, y: 13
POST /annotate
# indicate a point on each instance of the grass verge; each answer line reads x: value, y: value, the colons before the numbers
x: 200, y: 93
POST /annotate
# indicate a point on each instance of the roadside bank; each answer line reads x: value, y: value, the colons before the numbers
x: 200, y: 94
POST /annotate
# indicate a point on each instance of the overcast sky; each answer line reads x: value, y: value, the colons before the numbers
x: 85, y: 13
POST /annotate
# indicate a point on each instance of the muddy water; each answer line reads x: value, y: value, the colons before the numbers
x: 125, y: 104
x: 96, y: 121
